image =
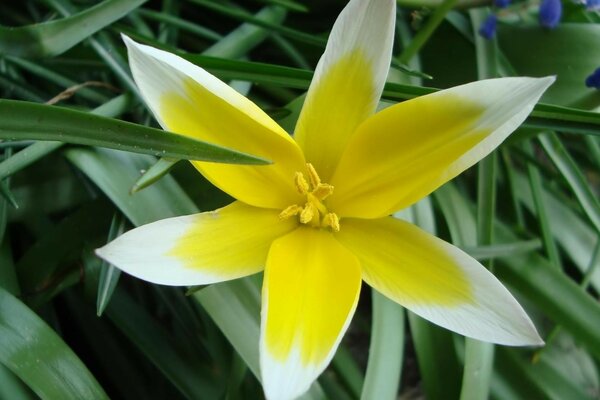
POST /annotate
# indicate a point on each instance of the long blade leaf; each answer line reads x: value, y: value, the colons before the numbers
x: 35, y: 353
x: 52, y: 38
x: 23, y: 120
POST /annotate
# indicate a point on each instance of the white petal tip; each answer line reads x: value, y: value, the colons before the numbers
x: 548, y: 80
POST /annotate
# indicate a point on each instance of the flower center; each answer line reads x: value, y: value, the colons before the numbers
x: 314, y: 212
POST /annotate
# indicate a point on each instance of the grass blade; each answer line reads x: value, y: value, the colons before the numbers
x: 35, y: 353
x: 52, y: 38
x: 22, y: 120
x: 386, y: 351
x: 573, y: 175
x: 109, y: 275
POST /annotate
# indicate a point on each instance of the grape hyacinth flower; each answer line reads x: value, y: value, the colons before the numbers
x: 550, y: 13
x: 593, y: 81
x: 488, y: 27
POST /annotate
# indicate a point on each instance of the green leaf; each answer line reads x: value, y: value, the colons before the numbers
x: 574, y: 177
x: 289, y: 4
x: 561, y: 299
x: 48, y: 75
x: 535, y: 380
x: 500, y: 250
x: 22, y: 120
x: 35, y: 353
x: 115, y: 173
x: 437, y: 359
x: 109, y: 275
x: 576, y: 238
x: 242, y: 15
x: 26, y: 157
x: 41, y: 268
x: 180, y: 23
x: 8, y: 276
x: 12, y: 387
x: 535, y: 182
x: 421, y: 38
x: 154, y: 173
x: 51, y: 38
x: 153, y: 341
x: 386, y: 351
x: 112, y: 108
x: 244, y: 38
x: 348, y: 370
x: 569, y: 52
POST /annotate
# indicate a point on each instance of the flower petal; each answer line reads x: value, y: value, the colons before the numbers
x: 188, y: 100
x: 348, y: 81
x: 437, y: 281
x: 199, y: 249
x: 406, y: 151
x: 310, y: 291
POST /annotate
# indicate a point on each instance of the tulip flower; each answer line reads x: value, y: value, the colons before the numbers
x: 318, y: 219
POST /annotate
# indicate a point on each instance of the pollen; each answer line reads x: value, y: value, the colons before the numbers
x: 314, y: 212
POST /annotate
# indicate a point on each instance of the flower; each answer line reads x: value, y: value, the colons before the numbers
x: 318, y: 220
x: 550, y: 13
x: 501, y: 3
x: 593, y: 81
x: 488, y: 27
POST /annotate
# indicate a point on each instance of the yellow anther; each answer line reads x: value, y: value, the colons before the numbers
x: 290, y: 211
x: 315, y: 181
x: 308, y: 213
x: 331, y: 220
x: 314, y: 213
x: 301, y: 184
x: 323, y: 191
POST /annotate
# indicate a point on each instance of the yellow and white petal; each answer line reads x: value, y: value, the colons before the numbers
x: 437, y: 281
x: 310, y: 290
x: 199, y: 249
x: 186, y: 99
x: 406, y: 151
x: 348, y: 81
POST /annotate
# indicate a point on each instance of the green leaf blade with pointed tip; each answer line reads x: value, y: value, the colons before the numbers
x: 35, y: 353
x: 52, y: 38
x: 23, y: 120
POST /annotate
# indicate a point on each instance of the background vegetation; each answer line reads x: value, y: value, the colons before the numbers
x: 72, y: 327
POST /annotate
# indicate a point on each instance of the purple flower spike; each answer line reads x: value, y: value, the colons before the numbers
x: 550, y: 13
x: 488, y: 27
x: 505, y: 3
x: 593, y: 81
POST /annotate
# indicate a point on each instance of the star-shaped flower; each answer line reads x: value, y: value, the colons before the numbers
x: 318, y: 220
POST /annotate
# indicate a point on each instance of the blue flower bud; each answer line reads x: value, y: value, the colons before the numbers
x: 488, y: 27
x: 504, y: 3
x: 593, y: 81
x: 550, y: 13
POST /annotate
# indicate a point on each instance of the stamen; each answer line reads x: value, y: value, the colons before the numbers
x: 308, y: 213
x: 301, y: 184
x: 323, y: 191
x: 315, y: 181
x: 331, y: 220
x: 314, y: 213
x: 290, y: 211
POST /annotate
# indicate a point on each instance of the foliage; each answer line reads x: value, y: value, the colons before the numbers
x: 71, y: 328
